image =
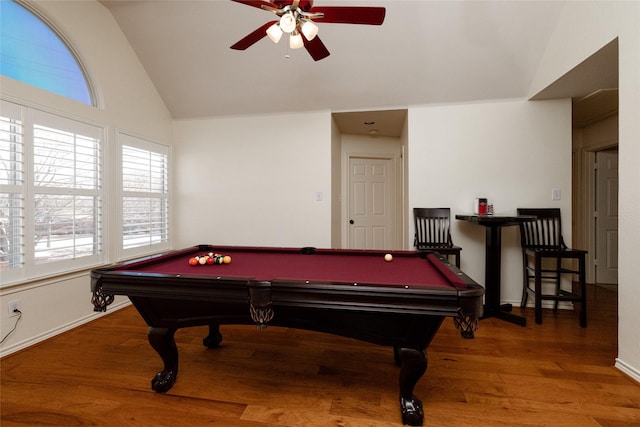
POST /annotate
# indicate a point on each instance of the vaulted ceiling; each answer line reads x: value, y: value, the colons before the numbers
x: 425, y: 52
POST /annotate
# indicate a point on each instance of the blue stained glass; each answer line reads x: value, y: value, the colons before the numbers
x: 31, y: 52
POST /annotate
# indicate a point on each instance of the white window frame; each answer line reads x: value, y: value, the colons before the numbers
x: 30, y: 269
x: 51, y: 38
x: 125, y: 138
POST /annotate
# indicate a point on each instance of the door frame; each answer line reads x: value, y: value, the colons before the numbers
x: 583, y: 203
x: 593, y: 208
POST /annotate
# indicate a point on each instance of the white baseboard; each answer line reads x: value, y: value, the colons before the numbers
x: 563, y: 305
x: 60, y: 329
x: 628, y: 369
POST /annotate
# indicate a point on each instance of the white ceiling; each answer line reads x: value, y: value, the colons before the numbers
x: 425, y: 52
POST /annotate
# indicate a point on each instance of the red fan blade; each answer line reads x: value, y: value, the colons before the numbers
x: 253, y: 37
x: 350, y: 14
x: 257, y: 3
x: 316, y: 48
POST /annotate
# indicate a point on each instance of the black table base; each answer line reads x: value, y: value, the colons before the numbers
x: 504, y: 313
x: 493, y: 256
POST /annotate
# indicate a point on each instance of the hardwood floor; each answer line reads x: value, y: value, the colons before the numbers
x: 554, y: 374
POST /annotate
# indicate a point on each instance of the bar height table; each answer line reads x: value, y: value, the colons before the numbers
x: 493, y: 257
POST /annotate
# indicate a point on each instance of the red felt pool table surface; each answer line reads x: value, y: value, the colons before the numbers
x: 407, y: 268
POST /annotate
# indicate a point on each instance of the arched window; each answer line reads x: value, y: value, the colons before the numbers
x: 33, y: 53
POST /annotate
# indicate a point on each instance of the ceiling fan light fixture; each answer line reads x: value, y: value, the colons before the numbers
x: 275, y: 33
x: 299, y: 19
x: 310, y: 30
x: 288, y: 22
x: 295, y: 41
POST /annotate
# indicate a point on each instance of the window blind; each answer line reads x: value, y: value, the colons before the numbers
x: 12, y: 164
x: 145, y: 205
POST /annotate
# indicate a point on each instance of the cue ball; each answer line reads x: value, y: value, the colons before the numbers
x: 388, y: 257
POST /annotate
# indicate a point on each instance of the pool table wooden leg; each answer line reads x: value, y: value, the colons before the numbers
x: 162, y: 341
x: 214, y: 338
x: 413, y: 364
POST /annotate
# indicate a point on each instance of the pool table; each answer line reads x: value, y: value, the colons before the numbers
x: 354, y: 293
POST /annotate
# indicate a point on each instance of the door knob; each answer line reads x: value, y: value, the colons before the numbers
x: 350, y: 221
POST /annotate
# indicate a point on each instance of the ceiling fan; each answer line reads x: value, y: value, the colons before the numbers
x: 297, y: 18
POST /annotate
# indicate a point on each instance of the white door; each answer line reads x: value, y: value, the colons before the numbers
x: 370, y: 196
x: 606, y: 217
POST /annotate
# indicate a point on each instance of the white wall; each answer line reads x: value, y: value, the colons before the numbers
x: 253, y: 180
x: 247, y: 181
x: 582, y: 29
x: 511, y: 152
x: 336, y: 185
x: 127, y: 100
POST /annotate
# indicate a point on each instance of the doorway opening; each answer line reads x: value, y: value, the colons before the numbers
x: 369, y: 176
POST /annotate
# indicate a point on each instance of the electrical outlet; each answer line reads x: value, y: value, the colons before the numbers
x: 13, y: 306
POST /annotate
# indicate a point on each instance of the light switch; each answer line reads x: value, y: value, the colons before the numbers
x: 555, y: 194
x: 318, y: 196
